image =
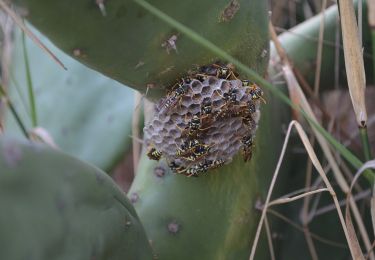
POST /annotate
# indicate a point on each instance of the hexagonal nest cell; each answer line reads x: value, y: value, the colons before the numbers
x: 204, y: 120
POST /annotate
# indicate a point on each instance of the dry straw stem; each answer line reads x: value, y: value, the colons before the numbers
x: 371, y: 13
x: 301, y: 229
x: 297, y: 197
x: 6, y: 57
x: 32, y: 36
x: 349, y: 223
x: 135, y: 130
x: 317, y: 166
x: 355, y: 69
x: 40, y: 134
x: 297, y: 93
x: 325, y: 209
x: 304, y: 213
x: 269, y: 239
x: 320, y: 50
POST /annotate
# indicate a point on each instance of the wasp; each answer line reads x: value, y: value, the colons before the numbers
x: 248, y: 120
x: 198, y: 152
x: 194, y: 126
x: 188, y: 144
x: 187, y: 147
x: 187, y: 80
x: 247, y: 148
x: 216, y: 164
x: 234, y: 110
x: 244, y: 110
x: 206, y: 107
x: 254, y: 89
x: 194, y: 170
x: 195, y: 123
x: 227, y: 112
x: 205, y: 166
x: 216, y: 70
x: 175, y: 95
x: 177, y: 168
x: 201, y: 167
x: 251, y: 107
x: 255, y: 92
x: 154, y: 154
x: 230, y: 97
x: 224, y: 72
x: 201, y: 77
x: 245, y: 83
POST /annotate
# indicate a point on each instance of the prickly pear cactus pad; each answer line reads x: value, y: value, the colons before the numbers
x: 79, y: 108
x: 213, y: 216
x: 125, y: 42
x: 56, y: 207
x: 204, y: 121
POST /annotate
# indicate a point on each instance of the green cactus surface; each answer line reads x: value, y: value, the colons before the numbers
x: 79, y: 108
x: 125, y: 42
x: 56, y: 207
x: 212, y: 216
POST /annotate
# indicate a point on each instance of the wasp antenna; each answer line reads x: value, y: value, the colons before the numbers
x: 263, y: 100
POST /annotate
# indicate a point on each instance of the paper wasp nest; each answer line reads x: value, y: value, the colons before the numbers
x: 204, y: 121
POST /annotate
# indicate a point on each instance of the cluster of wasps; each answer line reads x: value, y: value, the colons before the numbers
x: 193, y: 149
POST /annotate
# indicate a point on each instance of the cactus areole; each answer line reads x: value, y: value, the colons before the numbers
x: 125, y: 42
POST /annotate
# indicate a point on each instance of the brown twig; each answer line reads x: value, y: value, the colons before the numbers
x: 29, y: 33
x: 135, y: 130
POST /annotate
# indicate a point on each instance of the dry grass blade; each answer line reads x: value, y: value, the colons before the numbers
x: 297, y: 93
x: 135, y: 130
x: 349, y: 223
x: 287, y: 200
x: 269, y: 239
x: 6, y: 57
x: 371, y: 13
x: 301, y: 229
x: 20, y: 23
x: 357, y: 254
x: 40, y: 134
x: 332, y: 161
x: 359, y: 21
x: 320, y: 50
x: 318, y: 167
x: 304, y: 213
x: 310, y: 243
x: 283, y: 56
x: 367, y: 165
x: 328, y: 208
x: 355, y: 70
